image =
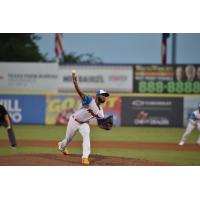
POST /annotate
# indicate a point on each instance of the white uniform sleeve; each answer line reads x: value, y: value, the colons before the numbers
x: 100, y: 114
x: 95, y: 111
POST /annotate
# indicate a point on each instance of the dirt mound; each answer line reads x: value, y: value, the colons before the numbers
x: 110, y: 144
x: 72, y: 160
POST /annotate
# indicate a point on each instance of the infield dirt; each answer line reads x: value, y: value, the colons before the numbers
x: 72, y: 160
x: 96, y: 160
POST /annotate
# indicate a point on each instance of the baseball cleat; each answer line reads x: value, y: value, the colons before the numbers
x: 63, y: 151
x: 181, y: 143
x: 85, y: 161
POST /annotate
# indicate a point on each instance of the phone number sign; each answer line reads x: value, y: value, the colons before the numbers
x: 182, y: 79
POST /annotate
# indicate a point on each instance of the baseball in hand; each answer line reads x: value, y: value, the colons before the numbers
x: 74, y: 72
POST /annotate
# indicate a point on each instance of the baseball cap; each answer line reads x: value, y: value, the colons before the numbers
x: 102, y: 92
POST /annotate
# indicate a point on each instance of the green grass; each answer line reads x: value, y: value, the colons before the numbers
x: 39, y: 132
x: 26, y: 150
x: 142, y: 134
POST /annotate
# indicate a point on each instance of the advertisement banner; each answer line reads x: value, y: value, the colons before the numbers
x: 25, y: 109
x: 28, y: 77
x: 152, y: 111
x: 109, y: 77
x: 190, y: 104
x: 183, y: 79
x: 60, y: 108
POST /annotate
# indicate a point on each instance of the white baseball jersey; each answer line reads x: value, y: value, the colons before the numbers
x: 194, y: 122
x: 195, y: 117
x: 88, y: 110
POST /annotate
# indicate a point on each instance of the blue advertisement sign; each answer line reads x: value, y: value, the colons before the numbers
x: 25, y: 109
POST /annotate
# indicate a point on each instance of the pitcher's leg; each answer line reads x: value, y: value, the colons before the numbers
x: 85, y: 132
x: 72, y: 127
x: 198, y: 140
x: 187, y: 132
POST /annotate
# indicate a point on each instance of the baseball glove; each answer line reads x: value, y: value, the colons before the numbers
x: 106, y: 123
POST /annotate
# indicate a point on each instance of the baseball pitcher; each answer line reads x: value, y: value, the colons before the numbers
x: 5, y: 121
x: 194, y: 122
x: 79, y: 121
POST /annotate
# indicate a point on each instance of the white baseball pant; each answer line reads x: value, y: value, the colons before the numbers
x: 84, y: 129
x: 188, y: 131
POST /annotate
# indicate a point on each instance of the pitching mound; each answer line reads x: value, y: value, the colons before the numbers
x: 72, y: 160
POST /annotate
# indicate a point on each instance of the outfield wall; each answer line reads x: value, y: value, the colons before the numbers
x: 114, y: 78
x: 28, y: 77
x: 152, y: 95
x: 132, y: 110
x: 54, y: 78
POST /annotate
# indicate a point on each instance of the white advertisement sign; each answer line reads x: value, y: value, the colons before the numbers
x: 113, y: 78
x: 28, y: 77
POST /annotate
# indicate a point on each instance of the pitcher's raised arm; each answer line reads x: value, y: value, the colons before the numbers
x: 74, y: 79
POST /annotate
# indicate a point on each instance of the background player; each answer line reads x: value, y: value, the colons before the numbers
x: 5, y: 120
x: 79, y: 121
x: 194, y: 122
